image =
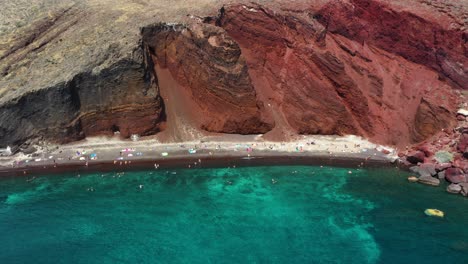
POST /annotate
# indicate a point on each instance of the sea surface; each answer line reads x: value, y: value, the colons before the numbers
x: 287, y: 214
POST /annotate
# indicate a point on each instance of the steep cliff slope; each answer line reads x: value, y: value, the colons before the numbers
x: 385, y: 70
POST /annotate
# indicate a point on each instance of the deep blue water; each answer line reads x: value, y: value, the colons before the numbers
x: 309, y: 215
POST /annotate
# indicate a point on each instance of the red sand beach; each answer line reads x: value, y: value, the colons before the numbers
x: 105, y: 154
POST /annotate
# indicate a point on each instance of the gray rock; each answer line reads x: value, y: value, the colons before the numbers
x: 454, y: 188
x: 441, y: 175
x: 427, y: 169
x: 428, y: 180
x: 29, y: 150
x: 414, y: 169
x: 464, y: 188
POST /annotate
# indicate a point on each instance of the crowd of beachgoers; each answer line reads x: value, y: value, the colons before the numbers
x: 124, y: 152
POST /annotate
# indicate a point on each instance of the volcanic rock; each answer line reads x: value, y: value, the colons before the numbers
x: 428, y: 180
x: 454, y: 188
x: 427, y: 149
x: 443, y: 157
x: 463, y: 143
x: 384, y: 70
x: 412, y: 179
x: 405, y: 33
x: 29, y: 150
x: 455, y: 175
x: 462, y: 112
x: 427, y: 169
x: 415, y: 157
x: 461, y: 117
x: 334, y: 76
x: 464, y: 189
x: 461, y: 164
x: 442, y: 166
x: 441, y: 175
x: 215, y: 77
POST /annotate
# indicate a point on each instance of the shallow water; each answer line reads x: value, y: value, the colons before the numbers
x: 309, y: 215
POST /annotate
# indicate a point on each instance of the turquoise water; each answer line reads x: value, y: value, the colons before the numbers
x: 309, y: 215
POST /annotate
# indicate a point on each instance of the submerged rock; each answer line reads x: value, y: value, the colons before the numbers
x: 464, y: 188
x: 413, y: 179
x: 454, y: 188
x: 428, y: 180
x: 441, y: 175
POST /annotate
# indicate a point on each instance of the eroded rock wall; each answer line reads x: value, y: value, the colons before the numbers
x: 119, y: 99
x: 325, y: 83
x: 439, y: 41
x: 213, y: 74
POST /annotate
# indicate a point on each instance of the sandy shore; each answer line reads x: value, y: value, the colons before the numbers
x: 104, y: 154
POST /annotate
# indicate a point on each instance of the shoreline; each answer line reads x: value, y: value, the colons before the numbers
x: 207, y: 162
x: 108, y: 154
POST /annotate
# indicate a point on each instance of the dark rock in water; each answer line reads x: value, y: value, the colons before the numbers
x: 415, y: 157
x: 454, y: 188
x: 464, y: 189
x: 454, y: 175
x: 428, y: 180
x: 441, y: 175
x: 427, y: 169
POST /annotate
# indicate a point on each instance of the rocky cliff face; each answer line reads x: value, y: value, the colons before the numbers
x: 120, y: 99
x: 310, y: 81
x: 379, y: 69
x: 213, y: 74
x: 442, y: 46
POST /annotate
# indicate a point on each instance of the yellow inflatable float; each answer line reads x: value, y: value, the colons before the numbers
x: 434, y: 212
